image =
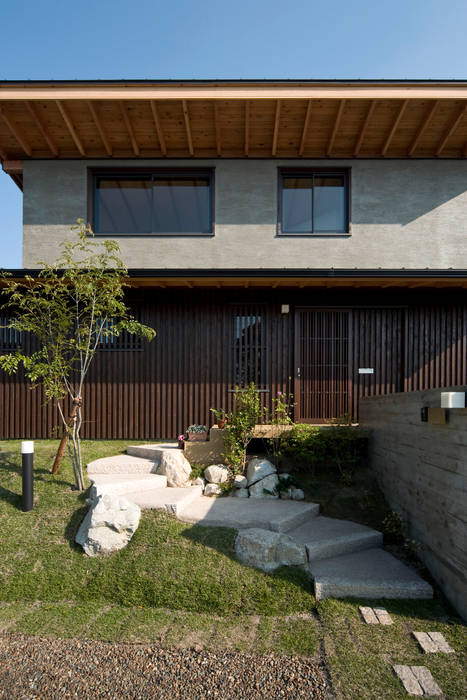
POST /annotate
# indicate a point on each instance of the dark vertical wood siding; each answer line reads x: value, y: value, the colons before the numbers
x: 158, y: 391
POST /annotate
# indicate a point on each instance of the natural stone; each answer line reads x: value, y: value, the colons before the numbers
x: 240, y: 493
x: 240, y: 481
x: 284, y: 477
x: 175, y: 467
x: 266, y: 488
x: 258, y: 469
x: 217, y: 474
x: 297, y: 494
x: 108, y: 526
x: 268, y: 550
x: 212, y: 490
x: 199, y: 481
x: 285, y: 495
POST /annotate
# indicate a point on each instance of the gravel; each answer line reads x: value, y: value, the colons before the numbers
x: 35, y: 667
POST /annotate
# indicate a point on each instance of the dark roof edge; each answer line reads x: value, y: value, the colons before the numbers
x: 271, y: 272
x: 266, y: 81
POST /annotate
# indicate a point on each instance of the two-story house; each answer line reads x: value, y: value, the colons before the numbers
x: 310, y: 236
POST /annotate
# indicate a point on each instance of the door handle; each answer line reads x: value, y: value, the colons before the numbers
x: 298, y: 372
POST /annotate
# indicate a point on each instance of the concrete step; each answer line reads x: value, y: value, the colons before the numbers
x: 125, y: 483
x: 275, y: 515
x: 328, y: 537
x: 121, y: 464
x: 151, y: 451
x: 373, y: 573
x: 171, y: 500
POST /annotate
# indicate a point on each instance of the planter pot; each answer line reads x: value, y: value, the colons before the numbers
x: 197, y: 437
x: 181, y: 444
x: 221, y: 423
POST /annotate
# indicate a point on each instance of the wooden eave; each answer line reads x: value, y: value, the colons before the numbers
x: 232, y: 119
x: 286, y: 279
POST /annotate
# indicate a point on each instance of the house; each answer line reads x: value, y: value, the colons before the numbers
x: 310, y: 236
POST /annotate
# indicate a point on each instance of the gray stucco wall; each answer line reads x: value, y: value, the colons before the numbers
x: 409, y: 214
x: 422, y: 469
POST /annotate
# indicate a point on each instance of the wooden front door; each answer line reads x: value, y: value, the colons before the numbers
x: 322, y: 372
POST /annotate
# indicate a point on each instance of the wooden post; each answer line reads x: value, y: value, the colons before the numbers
x: 63, y: 441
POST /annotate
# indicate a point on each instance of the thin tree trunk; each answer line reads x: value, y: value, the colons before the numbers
x: 64, y: 440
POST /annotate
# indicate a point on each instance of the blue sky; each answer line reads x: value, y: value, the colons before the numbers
x: 117, y: 39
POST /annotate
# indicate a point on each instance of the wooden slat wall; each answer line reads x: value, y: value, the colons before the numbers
x: 158, y: 391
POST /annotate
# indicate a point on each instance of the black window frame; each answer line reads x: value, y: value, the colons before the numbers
x: 95, y: 173
x: 314, y: 172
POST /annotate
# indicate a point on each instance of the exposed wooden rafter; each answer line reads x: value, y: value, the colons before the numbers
x: 41, y: 126
x: 217, y: 129
x: 3, y: 154
x: 453, y: 126
x: 422, y: 128
x: 186, y: 117
x: 16, y: 133
x: 306, y: 124
x: 397, y: 120
x: 97, y: 122
x: 129, y: 127
x: 361, y: 135
x: 335, y: 128
x: 276, y: 127
x: 157, y: 124
x: 71, y: 128
x: 247, y: 126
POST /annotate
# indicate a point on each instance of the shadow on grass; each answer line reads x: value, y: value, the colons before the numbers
x: 10, y: 468
x: 215, y: 538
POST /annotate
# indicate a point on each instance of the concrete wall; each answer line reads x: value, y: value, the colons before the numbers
x: 409, y: 214
x: 422, y: 469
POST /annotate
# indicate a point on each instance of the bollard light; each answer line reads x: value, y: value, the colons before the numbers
x: 27, y: 452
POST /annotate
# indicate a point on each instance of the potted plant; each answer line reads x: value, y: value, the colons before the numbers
x: 220, y: 416
x: 181, y: 441
x: 197, y: 432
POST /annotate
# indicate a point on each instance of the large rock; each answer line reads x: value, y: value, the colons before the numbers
x: 268, y: 550
x: 175, y: 466
x: 240, y: 493
x: 258, y: 469
x: 109, y: 525
x: 266, y: 488
x: 240, y: 481
x: 217, y: 474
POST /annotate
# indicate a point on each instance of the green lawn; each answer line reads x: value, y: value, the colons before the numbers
x: 180, y: 585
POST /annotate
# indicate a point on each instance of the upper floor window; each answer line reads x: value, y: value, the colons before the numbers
x: 313, y: 201
x: 10, y: 338
x: 159, y: 202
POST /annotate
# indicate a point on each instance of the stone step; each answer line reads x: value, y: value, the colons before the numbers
x: 275, y: 515
x: 121, y: 464
x: 171, y: 500
x: 151, y: 451
x: 119, y: 484
x: 373, y: 573
x: 329, y: 537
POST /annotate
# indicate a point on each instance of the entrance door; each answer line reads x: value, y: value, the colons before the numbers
x: 322, y: 374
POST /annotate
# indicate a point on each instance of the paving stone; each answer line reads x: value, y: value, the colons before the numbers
x: 408, y: 680
x: 368, y: 615
x: 443, y: 646
x: 383, y: 616
x: 330, y: 537
x: 426, y: 680
x: 427, y: 645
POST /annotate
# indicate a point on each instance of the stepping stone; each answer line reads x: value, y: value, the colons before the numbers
x: 375, y: 616
x: 275, y: 515
x: 383, y: 616
x: 329, y: 537
x: 118, y: 484
x: 432, y: 642
x: 151, y: 451
x: 121, y: 464
x: 408, y: 680
x: 171, y: 500
x: 426, y: 680
x: 369, y: 574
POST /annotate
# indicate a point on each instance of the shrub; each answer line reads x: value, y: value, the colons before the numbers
x: 240, y: 426
x: 308, y: 448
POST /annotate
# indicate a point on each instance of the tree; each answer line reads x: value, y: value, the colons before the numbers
x: 69, y: 309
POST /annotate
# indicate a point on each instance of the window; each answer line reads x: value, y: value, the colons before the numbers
x: 10, y: 338
x: 164, y: 203
x: 249, y: 348
x: 313, y: 202
x: 124, y: 341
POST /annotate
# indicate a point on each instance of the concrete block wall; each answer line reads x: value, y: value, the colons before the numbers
x: 422, y: 470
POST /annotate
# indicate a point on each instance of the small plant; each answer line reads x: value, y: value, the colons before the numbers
x: 240, y: 427
x: 279, y: 416
x: 396, y: 532
x: 218, y: 413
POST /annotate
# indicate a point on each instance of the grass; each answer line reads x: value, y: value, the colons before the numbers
x: 178, y: 585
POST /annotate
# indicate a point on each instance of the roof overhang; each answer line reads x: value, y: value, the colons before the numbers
x: 273, y: 279
x: 232, y: 119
